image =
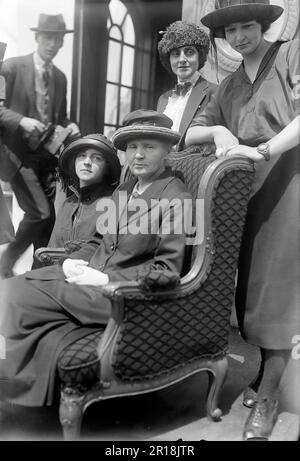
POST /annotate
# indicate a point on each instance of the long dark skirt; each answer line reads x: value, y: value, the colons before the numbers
x: 38, y: 318
x: 268, y: 289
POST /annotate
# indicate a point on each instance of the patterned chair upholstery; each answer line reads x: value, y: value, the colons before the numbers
x: 164, y: 329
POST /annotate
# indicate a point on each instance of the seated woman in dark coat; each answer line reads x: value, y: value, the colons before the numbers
x: 90, y: 169
x: 45, y: 310
x: 183, y: 52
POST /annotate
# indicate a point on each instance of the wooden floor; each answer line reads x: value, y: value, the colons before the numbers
x: 171, y: 414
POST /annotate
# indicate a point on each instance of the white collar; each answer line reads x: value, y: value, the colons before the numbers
x: 136, y: 191
x: 39, y: 62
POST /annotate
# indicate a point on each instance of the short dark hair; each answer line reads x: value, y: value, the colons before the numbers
x: 265, y: 25
x: 220, y: 33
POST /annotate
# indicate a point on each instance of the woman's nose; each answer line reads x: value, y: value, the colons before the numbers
x: 239, y: 36
x: 87, y: 160
x: 182, y: 56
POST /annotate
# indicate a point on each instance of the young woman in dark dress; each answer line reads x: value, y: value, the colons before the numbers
x: 255, y: 113
x: 89, y: 170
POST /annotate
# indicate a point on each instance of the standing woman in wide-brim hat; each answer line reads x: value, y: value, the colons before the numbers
x: 183, y: 51
x: 256, y: 113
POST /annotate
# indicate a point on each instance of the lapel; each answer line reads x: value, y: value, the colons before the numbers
x: 153, y: 192
x: 196, y: 97
x: 163, y: 101
x: 29, y: 80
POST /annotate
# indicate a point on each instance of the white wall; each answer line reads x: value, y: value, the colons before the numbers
x: 16, y: 18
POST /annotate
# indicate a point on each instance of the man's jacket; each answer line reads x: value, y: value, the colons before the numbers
x: 20, y: 101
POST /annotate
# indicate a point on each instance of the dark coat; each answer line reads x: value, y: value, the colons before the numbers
x: 20, y: 101
x: 76, y: 218
x: 122, y: 255
x: 200, y: 96
x: 43, y: 314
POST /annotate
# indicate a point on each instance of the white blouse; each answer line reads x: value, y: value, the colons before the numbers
x: 176, y: 103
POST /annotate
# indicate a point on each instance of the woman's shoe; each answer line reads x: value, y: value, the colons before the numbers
x: 249, y: 397
x: 261, y: 420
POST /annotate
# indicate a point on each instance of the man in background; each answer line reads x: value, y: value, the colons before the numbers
x: 35, y: 98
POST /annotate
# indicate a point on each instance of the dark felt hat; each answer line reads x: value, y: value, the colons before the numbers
x: 52, y: 23
x: 144, y: 123
x: 230, y: 11
x: 95, y: 141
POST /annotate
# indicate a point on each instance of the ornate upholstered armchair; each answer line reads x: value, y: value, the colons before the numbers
x: 163, y: 331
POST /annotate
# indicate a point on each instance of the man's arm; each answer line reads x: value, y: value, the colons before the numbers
x: 9, y: 119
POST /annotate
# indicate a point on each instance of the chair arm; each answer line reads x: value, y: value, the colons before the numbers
x: 151, y: 285
x: 49, y: 256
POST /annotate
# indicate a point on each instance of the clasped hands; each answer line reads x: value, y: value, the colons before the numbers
x: 78, y: 271
x: 227, y: 144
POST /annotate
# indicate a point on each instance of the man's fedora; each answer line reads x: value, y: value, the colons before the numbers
x: 144, y: 123
x: 230, y: 11
x: 51, y: 23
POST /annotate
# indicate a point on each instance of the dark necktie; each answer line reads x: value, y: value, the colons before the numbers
x: 46, y: 76
x: 181, y: 89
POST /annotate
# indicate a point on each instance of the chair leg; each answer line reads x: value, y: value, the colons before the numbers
x: 216, y: 374
x: 71, y: 411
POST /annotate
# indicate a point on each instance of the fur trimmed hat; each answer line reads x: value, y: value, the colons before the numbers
x: 182, y: 33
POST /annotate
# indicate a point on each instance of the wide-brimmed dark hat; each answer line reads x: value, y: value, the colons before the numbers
x: 230, y: 11
x: 52, y: 23
x: 94, y: 141
x: 182, y: 33
x: 144, y: 123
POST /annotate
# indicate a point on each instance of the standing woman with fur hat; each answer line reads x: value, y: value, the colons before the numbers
x: 90, y: 169
x: 183, y: 52
x: 256, y: 113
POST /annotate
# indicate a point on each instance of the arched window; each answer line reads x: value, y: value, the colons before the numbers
x: 120, y: 66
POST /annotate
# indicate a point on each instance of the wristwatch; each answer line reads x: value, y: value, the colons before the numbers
x: 264, y: 150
